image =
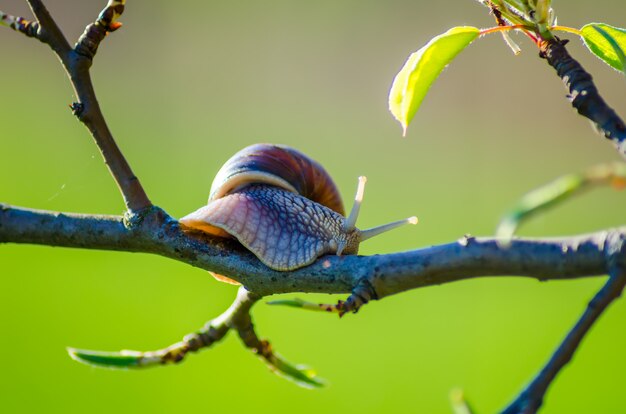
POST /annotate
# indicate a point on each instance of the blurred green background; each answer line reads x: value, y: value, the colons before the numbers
x: 186, y: 84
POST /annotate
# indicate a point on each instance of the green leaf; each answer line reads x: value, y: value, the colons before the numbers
x: 302, y: 304
x: 124, y: 359
x: 559, y: 190
x: 300, y: 374
x: 422, y: 68
x: 606, y: 42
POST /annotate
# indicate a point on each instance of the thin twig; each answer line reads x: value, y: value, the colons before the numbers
x: 48, y: 31
x: 19, y: 24
x: 88, y: 42
x: 236, y: 317
x: 583, y: 93
x: 531, y: 398
x: 77, y: 62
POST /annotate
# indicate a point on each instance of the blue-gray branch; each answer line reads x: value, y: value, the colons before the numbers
x: 153, y: 231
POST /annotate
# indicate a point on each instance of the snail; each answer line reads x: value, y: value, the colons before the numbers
x: 283, y: 207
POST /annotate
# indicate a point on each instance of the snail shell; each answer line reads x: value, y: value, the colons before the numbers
x: 282, y: 206
x: 279, y: 166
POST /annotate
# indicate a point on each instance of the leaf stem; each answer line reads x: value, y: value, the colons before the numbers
x: 566, y: 29
x: 502, y: 29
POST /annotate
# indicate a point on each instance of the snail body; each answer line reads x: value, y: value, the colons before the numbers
x: 282, y: 206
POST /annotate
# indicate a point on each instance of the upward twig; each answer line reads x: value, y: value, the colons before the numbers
x: 77, y: 62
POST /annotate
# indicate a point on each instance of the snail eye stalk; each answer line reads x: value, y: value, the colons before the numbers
x: 374, y: 231
x: 350, y: 222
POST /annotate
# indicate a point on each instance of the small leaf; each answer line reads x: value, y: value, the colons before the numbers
x: 606, y: 42
x: 300, y: 374
x: 302, y: 304
x: 124, y: 359
x: 422, y: 68
x: 559, y: 190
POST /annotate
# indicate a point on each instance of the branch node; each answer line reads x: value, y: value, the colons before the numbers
x: 29, y: 28
x: 466, y: 240
x: 531, y: 398
x: 134, y: 219
x: 77, y: 109
x: 362, y: 293
x: 88, y: 42
x: 615, y: 248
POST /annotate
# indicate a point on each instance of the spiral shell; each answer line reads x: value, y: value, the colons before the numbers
x: 283, y: 207
x: 279, y: 166
x: 280, y: 204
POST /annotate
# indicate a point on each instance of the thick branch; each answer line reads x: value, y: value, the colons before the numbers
x: 156, y: 232
x: 531, y: 398
x: 583, y: 94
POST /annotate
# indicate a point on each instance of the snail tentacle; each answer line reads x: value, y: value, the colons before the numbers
x: 350, y: 223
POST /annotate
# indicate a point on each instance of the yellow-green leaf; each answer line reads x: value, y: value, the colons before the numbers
x: 606, y: 42
x: 422, y: 68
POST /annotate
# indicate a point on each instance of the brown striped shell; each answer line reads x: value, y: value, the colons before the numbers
x: 280, y: 204
x: 280, y: 166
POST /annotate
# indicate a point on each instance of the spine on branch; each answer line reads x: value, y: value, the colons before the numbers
x: 583, y: 93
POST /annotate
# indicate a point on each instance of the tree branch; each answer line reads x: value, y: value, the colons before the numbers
x: 153, y: 231
x: 583, y: 94
x: 19, y: 24
x: 77, y: 62
x: 237, y: 318
x: 531, y: 398
x: 48, y: 31
x: 149, y: 229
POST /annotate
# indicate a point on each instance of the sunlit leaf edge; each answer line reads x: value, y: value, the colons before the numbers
x: 422, y: 68
x: 597, y: 42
